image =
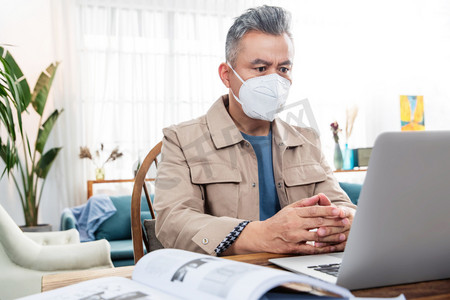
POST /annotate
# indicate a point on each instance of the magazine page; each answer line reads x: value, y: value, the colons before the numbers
x: 111, y: 288
x: 192, y: 275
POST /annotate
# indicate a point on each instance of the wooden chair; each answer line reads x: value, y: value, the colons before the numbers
x: 143, y: 234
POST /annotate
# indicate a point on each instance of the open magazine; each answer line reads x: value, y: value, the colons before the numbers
x: 178, y: 274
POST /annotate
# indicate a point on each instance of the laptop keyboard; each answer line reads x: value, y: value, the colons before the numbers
x: 330, y: 269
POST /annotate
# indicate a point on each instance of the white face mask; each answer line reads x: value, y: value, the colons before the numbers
x: 262, y: 97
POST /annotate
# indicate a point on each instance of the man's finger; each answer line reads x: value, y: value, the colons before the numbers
x: 347, y: 212
x: 338, y: 247
x: 326, y: 231
x: 309, y: 249
x: 309, y: 223
x: 323, y: 200
x: 319, y: 199
x: 307, y: 202
x: 318, y: 211
x: 333, y: 238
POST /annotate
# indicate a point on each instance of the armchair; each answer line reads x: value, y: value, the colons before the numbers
x: 25, y: 257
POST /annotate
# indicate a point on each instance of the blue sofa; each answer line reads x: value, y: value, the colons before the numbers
x: 116, y: 229
x: 352, y: 189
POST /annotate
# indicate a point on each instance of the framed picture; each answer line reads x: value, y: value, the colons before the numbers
x: 412, y: 113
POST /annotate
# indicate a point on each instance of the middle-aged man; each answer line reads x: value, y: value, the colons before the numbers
x: 238, y: 180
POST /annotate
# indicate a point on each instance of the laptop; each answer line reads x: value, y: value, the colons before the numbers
x: 401, y: 230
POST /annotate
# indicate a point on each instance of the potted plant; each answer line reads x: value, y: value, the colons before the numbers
x: 26, y: 164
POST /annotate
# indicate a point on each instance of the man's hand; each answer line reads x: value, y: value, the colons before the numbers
x: 288, y: 231
x: 329, y: 235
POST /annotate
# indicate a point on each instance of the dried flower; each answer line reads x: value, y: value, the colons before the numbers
x: 335, y: 129
x: 85, y: 153
x: 115, y: 154
x: 97, y: 160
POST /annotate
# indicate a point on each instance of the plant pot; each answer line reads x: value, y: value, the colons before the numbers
x: 38, y: 228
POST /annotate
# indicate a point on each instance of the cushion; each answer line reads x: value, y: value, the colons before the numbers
x: 150, y: 231
x: 68, y: 220
x: 118, y: 226
x: 145, y: 215
x: 352, y: 189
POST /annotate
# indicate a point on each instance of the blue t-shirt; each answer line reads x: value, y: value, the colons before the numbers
x: 268, y: 198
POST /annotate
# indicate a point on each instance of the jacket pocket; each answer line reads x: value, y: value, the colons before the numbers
x: 220, y: 185
x: 300, y: 181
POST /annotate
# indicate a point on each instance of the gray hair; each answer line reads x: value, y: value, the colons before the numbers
x: 268, y: 19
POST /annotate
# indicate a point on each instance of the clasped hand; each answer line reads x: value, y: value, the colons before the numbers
x: 293, y: 229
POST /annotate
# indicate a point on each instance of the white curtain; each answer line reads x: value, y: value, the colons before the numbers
x: 145, y: 65
x: 66, y: 182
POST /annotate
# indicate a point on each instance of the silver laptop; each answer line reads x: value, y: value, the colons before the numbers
x: 401, y: 231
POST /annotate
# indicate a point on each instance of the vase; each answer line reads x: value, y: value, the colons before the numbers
x: 349, y: 162
x: 338, y: 160
x: 100, y: 173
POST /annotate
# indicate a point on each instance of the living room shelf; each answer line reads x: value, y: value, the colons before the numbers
x: 363, y: 169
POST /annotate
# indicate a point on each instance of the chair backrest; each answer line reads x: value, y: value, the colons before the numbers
x: 14, y: 241
x: 137, y: 230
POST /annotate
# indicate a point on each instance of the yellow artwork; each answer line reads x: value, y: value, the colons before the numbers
x: 412, y: 113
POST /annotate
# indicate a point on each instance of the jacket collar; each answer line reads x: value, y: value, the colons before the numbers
x: 224, y: 132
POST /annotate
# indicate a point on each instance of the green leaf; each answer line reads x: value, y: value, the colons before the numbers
x: 42, y: 88
x: 7, y: 119
x: 3, y: 87
x: 44, y: 131
x: 46, y: 161
x: 3, y: 151
x: 8, y: 154
x: 3, y: 155
x: 29, y: 148
x: 15, y: 97
x: 13, y: 69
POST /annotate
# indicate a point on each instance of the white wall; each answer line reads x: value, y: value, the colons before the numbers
x: 27, y: 25
x: 369, y: 53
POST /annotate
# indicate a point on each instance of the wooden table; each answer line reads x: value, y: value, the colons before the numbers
x: 54, y: 281
x: 437, y: 289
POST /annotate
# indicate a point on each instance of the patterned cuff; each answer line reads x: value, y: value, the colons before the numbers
x: 230, y: 238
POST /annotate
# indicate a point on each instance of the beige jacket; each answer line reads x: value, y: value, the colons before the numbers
x: 208, y: 178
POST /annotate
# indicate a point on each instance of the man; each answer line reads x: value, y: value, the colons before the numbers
x: 238, y: 181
